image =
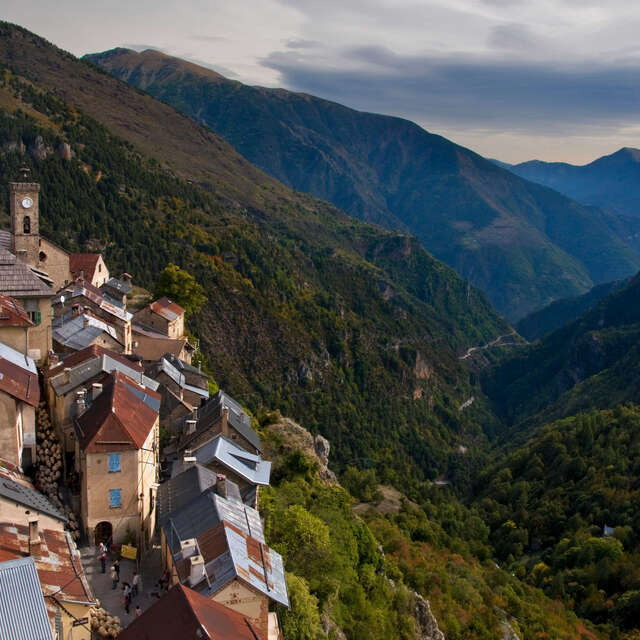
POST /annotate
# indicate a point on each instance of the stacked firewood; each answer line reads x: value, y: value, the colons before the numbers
x: 49, y: 468
x: 103, y: 624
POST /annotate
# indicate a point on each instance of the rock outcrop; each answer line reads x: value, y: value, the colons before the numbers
x: 426, y: 623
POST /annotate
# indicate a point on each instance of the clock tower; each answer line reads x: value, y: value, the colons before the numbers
x: 25, y: 234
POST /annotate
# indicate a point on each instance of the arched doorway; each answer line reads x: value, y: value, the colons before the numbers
x: 103, y: 533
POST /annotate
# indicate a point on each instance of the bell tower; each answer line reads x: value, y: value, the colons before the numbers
x: 25, y: 233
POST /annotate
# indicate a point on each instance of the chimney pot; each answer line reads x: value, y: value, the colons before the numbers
x: 67, y: 374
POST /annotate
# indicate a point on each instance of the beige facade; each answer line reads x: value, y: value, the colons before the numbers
x: 17, y: 431
x: 55, y: 261
x: 249, y: 602
x: 16, y: 337
x: 173, y: 329
x: 40, y: 341
x: 137, y: 482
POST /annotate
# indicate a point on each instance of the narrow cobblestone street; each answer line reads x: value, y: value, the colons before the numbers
x: 112, y: 599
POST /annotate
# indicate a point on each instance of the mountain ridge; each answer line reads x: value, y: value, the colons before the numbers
x: 521, y: 244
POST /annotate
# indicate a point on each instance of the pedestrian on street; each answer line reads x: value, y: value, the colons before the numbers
x: 138, y: 611
x: 102, y: 548
x: 114, y: 576
x: 116, y: 564
x: 103, y: 561
x: 135, y: 584
x: 126, y: 592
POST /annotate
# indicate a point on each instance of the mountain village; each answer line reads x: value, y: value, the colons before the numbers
x: 103, y: 532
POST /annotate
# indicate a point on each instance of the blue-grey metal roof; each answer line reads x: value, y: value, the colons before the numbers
x: 265, y: 574
x: 81, y: 331
x: 205, y: 512
x: 90, y: 368
x: 152, y: 402
x: 209, y: 414
x: 17, y: 358
x: 23, y: 614
x: 179, y: 378
x: 122, y: 286
x: 251, y: 467
x: 180, y: 490
x: 28, y: 497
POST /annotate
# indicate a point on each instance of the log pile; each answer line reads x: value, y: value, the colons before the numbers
x: 103, y: 624
x: 49, y: 468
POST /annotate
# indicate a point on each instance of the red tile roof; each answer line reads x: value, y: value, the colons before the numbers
x: 88, y: 353
x: 83, y: 262
x: 57, y: 560
x: 19, y: 383
x: 119, y: 418
x: 183, y: 613
x: 12, y: 314
x: 166, y: 308
x: 151, y: 349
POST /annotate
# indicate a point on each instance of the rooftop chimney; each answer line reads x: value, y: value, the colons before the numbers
x: 21, y: 254
x: 34, y: 535
x: 85, y: 321
x: 221, y: 485
x: 196, y: 573
x: 81, y: 401
x: 54, y: 360
x: 188, y: 547
x: 67, y: 374
x: 189, y: 461
x: 96, y: 390
x: 190, y: 426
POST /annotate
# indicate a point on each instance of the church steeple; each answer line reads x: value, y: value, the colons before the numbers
x: 24, y: 209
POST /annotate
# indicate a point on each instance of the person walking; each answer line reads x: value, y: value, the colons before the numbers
x: 114, y: 577
x: 126, y: 593
x: 103, y: 560
x: 138, y: 611
x: 116, y: 564
x: 135, y: 584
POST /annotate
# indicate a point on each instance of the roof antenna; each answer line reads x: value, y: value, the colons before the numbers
x: 25, y: 171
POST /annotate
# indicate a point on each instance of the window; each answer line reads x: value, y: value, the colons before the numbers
x: 115, y: 498
x: 26, y: 225
x: 99, y: 268
x: 35, y: 317
x: 114, y: 462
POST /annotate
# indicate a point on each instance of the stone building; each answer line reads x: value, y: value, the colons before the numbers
x: 164, y: 316
x: 117, y: 459
x: 73, y: 384
x: 89, y: 266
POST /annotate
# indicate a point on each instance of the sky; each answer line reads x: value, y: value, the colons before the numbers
x: 557, y: 80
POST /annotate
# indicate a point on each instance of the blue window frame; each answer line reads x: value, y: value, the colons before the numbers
x: 114, y: 462
x: 115, y: 497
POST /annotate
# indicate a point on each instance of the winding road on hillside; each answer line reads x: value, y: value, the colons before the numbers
x: 498, y: 342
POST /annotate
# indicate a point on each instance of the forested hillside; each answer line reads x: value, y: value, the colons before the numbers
x: 590, y: 363
x: 548, y: 503
x: 560, y: 312
x: 522, y: 244
x: 355, y: 329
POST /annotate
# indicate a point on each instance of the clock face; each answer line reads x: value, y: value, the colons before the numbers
x: 27, y: 203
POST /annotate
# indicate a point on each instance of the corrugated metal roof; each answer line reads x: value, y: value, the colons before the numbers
x: 251, y: 561
x: 23, y: 614
x: 12, y: 314
x: 167, y: 309
x: 80, y: 332
x: 18, y: 376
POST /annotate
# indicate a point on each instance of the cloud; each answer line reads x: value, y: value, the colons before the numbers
x: 491, y: 92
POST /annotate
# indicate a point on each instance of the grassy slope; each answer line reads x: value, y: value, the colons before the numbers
x: 354, y: 328
x: 522, y: 244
